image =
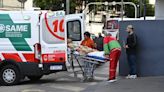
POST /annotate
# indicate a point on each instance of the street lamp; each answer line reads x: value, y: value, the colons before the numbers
x: 114, y: 3
x: 106, y: 4
x: 67, y: 6
x: 122, y: 9
x: 138, y: 6
x: 22, y: 2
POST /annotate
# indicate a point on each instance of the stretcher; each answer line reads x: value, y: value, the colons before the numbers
x: 90, y: 61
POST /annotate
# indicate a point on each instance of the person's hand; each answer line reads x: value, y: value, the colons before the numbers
x: 107, y: 56
x: 126, y: 46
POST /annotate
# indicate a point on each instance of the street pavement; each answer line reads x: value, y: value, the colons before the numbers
x: 66, y: 82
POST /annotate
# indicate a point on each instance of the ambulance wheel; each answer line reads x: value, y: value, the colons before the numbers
x: 9, y: 75
x: 35, y: 78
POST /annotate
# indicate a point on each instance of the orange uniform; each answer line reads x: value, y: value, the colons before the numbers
x: 88, y: 42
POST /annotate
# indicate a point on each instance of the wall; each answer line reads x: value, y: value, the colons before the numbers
x: 29, y: 5
x: 150, y: 49
x: 15, y: 5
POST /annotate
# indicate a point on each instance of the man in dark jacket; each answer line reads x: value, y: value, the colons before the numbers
x: 130, y: 46
x: 99, y: 42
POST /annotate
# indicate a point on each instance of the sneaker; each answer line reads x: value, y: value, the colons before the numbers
x: 128, y: 77
x: 90, y: 79
x: 131, y: 76
x: 111, y: 81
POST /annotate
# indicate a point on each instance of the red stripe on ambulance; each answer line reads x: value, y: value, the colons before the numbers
x: 30, y: 57
x: 12, y: 56
x: 56, y: 57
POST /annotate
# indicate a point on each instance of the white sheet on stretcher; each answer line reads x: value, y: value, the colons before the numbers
x: 99, y: 55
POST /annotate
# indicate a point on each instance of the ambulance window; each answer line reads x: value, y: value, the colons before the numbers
x: 74, y: 30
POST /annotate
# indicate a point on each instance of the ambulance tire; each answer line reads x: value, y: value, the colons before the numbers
x: 35, y: 78
x: 9, y: 75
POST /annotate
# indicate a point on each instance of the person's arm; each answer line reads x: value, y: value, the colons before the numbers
x: 82, y: 43
x: 93, y: 45
x: 106, y: 47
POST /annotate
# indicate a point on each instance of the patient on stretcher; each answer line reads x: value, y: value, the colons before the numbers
x: 84, y: 50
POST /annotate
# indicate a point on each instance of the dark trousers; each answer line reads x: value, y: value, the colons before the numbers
x: 132, y: 64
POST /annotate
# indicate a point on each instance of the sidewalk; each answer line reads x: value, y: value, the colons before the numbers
x: 144, y: 84
x: 141, y: 84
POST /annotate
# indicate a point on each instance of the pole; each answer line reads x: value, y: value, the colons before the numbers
x: 23, y: 5
x: 67, y: 6
x: 138, y: 11
x: 144, y: 9
x: 122, y: 9
x: 2, y: 4
x: 141, y: 6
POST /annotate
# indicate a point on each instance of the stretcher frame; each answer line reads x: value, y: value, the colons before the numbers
x: 89, y: 67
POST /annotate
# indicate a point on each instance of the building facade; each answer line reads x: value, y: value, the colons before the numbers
x: 15, y: 5
x: 159, y: 6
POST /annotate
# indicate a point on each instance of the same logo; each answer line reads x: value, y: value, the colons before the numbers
x: 2, y: 28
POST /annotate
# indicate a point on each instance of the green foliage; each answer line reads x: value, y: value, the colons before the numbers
x: 150, y: 10
x: 129, y: 10
x: 49, y: 4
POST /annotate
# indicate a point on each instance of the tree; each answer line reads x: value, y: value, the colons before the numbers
x: 57, y: 5
x: 49, y: 4
x: 75, y: 4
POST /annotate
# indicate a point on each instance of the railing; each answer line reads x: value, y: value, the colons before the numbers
x: 110, y: 4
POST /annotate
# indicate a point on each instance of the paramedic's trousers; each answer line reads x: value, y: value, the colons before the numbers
x: 114, y: 57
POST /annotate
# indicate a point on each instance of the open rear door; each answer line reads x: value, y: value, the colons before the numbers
x: 53, y: 41
x: 75, y: 27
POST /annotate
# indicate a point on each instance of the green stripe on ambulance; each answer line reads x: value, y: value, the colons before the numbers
x: 15, y: 32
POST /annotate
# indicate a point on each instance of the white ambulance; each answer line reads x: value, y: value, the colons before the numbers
x: 34, y: 43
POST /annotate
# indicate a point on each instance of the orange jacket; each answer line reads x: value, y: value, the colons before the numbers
x: 88, y: 42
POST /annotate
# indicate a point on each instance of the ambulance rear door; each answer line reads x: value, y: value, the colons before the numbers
x: 75, y: 27
x: 53, y: 41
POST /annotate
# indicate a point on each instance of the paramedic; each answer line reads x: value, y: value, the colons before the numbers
x: 112, y: 50
x: 88, y: 41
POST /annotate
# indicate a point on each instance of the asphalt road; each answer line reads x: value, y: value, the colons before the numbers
x: 59, y: 82
x: 66, y: 82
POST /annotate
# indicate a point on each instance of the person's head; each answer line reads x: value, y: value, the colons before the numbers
x: 69, y: 40
x: 99, y: 34
x: 106, y: 33
x: 93, y: 36
x: 110, y: 25
x: 87, y: 35
x: 129, y: 29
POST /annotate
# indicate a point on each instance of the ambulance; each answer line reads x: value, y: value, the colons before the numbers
x: 34, y: 43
